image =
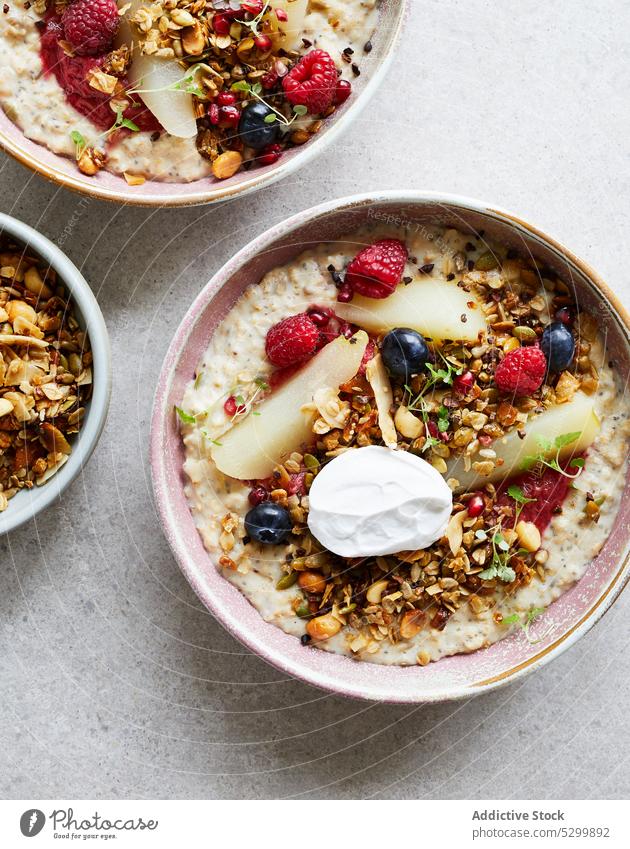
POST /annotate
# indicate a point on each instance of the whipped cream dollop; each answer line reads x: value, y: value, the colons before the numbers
x: 373, y: 501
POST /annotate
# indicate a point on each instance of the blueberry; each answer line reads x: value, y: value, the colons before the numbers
x: 557, y: 345
x: 253, y: 129
x: 268, y: 523
x: 404, y: 352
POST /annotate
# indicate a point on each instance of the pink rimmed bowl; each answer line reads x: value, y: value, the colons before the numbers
x: 106, y: 186
x: 566, y: 620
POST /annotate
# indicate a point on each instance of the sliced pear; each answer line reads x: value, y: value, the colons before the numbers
x: 154, y: 77
x: 293, y: 27
x: 436, y: 308
x: 576, y: 416
x: 253, y: 447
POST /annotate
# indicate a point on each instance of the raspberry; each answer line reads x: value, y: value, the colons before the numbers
x: 312, y: 82
x: 522, y: 371
x: 90, y: 25
x: 292, y: 341
x: 377, y: 270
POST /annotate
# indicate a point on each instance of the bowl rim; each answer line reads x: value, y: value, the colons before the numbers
x: 42, y: 497
x: 159, y: 471
x: 261, y: 178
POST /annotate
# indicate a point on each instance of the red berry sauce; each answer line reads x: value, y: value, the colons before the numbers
x: 71, y: 72
x: 549, y: 489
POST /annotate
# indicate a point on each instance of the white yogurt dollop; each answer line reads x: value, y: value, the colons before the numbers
x: 373, y: 501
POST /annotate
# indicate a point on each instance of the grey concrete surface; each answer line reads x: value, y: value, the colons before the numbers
x: 114, y: 680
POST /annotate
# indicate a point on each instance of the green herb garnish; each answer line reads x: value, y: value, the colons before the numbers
x: 417, y: 403
x: 530, y: 616
x: 79, y: 143
x: 521, y: 499
x: 499, y: 567
x: 185, y: 417
x: 547, y: 447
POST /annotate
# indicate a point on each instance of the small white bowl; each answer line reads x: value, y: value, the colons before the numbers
x: 28, y: 503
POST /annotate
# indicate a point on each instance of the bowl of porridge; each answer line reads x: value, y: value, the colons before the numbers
x: 389, y: 447
x: 178, y: 103
x: 55, y: 370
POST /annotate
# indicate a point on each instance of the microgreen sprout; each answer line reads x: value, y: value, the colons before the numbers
x: 275, y: 115
x: 244, y: 405
x: 499, y: 566
x: 530, y: 616
x: 253, y: 24
x: 546, y: 457
x: 79, y: 143
x: 122, y: 122
x: 521, y: 499
x: 418, y: 404
x: 186, y: 418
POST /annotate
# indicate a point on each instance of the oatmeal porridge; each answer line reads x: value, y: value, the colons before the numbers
x: 179, y: 90
x: 405, y: 445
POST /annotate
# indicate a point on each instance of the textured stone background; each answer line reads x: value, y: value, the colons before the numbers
x: 115, y: 682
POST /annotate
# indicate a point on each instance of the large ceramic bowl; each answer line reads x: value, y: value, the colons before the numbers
x: 208, y: 190
x: 454, y: 677
x: 28, y: 503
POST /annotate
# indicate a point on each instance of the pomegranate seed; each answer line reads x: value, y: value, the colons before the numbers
x: 213, y: 113
x: 254, y: 7
x: 344, y: 294
x: 346, y: 330
x: 433, y: 430
x: 564, y: 315
x: 226, y: 98
x: 270, y: 154
x: 281, y: 15
x: 485, y: 440
x: 463, y: 383
x: 269, y: 80
x: 231, y: 407
x: 319, y: 317
x: 257, y: 495
x: 343, y: 91
x: 221, y: 24
x: 229, y: 116
x: 476, y: 506
x: 263, y: 43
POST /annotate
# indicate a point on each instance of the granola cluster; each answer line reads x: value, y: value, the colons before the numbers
x: 450, y: 415
x: 45, y: 372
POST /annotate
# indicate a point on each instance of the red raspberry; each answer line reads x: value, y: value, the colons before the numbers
x: 312, y: 82
x: 292, y: 341
x: 90, y: 26
x: 377, y: 270
x: 522, y: 371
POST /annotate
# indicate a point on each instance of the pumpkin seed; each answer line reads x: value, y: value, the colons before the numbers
x: 311, y: 462
x: 525, y: 334
x: 487, y: 262
x: 303, y: 611
x: 287, y: 581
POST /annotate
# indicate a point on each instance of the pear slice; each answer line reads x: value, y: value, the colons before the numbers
x: 154, y: 77
x: 436, y: 308
x: 576, y: 416
x: 254, y: 446
x: 293, y: 27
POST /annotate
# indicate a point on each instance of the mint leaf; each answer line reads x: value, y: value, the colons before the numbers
x: 187, y: 418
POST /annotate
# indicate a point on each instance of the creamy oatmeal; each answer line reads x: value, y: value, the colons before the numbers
x: 506, y: 554
x: 73, y: 104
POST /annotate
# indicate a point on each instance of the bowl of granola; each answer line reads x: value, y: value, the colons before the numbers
x: 389, y: 446
x: 55, y: 372
x: 178, y: 102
